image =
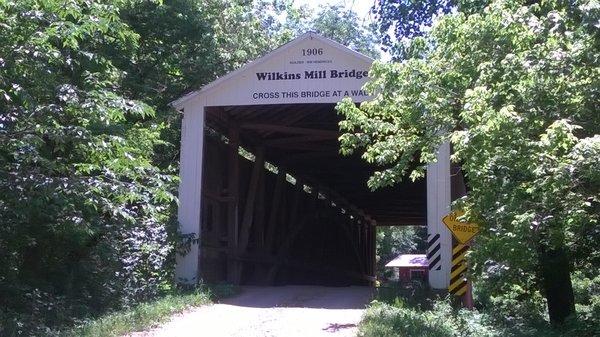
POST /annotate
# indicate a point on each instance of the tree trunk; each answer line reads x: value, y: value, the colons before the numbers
x: 556, y: 281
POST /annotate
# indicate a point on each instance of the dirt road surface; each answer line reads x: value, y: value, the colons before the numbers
x: 288, y: 311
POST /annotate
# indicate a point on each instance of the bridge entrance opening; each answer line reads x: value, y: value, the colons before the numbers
x: 280, y: 205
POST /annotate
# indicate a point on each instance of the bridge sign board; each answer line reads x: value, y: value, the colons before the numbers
x: 462, y: 231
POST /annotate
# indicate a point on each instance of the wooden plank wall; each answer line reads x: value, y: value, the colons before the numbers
x: 259, y: 228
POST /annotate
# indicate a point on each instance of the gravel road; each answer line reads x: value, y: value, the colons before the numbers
x: 288, y: 311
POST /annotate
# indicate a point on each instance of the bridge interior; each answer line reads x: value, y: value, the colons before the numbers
x: 280, y: 205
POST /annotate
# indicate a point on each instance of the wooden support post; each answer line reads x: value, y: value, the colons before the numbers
x: 345, y: 225
x: 296, y: 199
x: 257, y: 170
x: 233, y: 177
x: 373, y: 251
x: 259, y: 219
x: 273, y: 215
x: 259, y: 224
x: 356, y: 234
x: 322, y: 221
x: 365, y: 248
x: 368, y: 248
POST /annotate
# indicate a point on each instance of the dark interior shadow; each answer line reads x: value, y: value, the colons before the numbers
x: 318, y: 297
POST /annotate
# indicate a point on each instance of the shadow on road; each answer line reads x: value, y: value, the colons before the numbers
x: 353, y: 297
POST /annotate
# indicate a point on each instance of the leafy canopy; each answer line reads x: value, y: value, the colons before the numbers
x: 398, y: 21
x: 81, y: 196
x: 284, y: 21
x: 88, y: 150
x: 515, y: 90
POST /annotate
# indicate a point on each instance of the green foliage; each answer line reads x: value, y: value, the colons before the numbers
x: 439, y: 318
x: 344, y: 26
x: 514, y: 307
x: 87, y: 206
x: 142, y: 316
x: 384, y: 320
x: 415, y: 294
x: 398, y: 20
x: 283, y: 21
x: 85, y: 215
x: 587, y: 299
x: 520, y: 311
x: 185, y: 44
x: 514, y: 88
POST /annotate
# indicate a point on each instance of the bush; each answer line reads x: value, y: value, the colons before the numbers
x: 130, y: 264
x: 587, y: 302
x: 86, y: 216
x: 503, y: 310
x: 519, y: 309
x: 384, y: 320
x: 140, y: 317
x: 514, y: 306
x: 415, y: 294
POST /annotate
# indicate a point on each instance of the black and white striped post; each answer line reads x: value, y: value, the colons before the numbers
x: 434, y: 252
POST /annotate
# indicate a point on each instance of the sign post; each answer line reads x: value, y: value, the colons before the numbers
x: 463, y: 232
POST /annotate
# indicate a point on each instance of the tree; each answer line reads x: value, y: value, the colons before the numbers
x: 88, y: 152
x: 185, y: 44
x: 83, y: 210
x: 343, y: 26
x: 400, y: 20
x: 515, y: 90
x: 283, y: 21
x: 405, y: 18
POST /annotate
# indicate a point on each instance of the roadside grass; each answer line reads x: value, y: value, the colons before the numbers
x: 396, y: 320
x: 418, y: 312
x: 147, y: 315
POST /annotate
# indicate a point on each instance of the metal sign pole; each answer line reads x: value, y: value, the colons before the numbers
x: 463, y: 233
x: 468, y: 297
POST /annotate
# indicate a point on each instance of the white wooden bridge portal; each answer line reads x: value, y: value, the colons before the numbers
x: 265, y: 189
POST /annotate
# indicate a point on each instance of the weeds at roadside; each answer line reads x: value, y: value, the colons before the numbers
x: 150, y: 314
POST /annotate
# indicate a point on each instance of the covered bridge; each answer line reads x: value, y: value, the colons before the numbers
x: 265, y: 189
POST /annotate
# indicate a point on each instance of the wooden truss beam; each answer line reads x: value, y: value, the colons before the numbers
x: 233, y: 177
x: 275, y: 210
x: 257, y: 171
x: 299, y: 139
x: 289, y: 129
x: 402, y: 221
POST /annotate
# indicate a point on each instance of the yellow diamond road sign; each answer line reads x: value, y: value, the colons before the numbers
x: 462, y: 231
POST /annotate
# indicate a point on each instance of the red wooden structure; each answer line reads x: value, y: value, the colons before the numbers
x: 410, y: 267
